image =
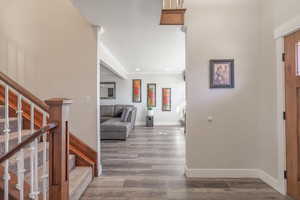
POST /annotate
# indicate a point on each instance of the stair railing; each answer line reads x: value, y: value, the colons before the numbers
x: 54, y: 121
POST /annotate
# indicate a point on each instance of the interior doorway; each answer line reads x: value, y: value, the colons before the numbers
x: 292, y: 97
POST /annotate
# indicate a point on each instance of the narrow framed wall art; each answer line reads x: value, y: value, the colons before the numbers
x: 166, y: 99
x: 151, y: 95
x: 137, y: 91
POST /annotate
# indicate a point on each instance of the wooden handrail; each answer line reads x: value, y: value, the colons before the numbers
x: 27, y: 141
x: 13, y: 84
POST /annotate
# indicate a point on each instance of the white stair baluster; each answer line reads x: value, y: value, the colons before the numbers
x: 20, y: 157
x: 33, y: 159
x: 6, y: 133
x: 45, y: 173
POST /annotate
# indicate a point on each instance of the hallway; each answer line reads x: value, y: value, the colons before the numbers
x: 150, y: 166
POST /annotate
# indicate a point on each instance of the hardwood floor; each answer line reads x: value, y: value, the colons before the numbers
x: 150, y: 166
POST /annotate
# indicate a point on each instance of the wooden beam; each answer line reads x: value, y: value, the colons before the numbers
x: 172, y: 17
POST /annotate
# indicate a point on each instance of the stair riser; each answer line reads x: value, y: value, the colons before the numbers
x: 13, y: 126
x: 2, y: 112
x: 72, y: 163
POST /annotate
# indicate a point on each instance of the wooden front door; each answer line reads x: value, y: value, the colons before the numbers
x: 292, y: 86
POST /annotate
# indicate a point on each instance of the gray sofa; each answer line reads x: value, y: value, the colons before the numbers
x: 112, y: 126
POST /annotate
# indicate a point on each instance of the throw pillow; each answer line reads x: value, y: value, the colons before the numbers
x: 123, y: 116
x: 126, y: 114
x: 129, y: 116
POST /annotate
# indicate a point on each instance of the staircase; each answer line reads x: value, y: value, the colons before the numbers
x: 173, y: 12
x: 26, y: 174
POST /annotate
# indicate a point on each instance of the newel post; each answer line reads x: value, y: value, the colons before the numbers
x: 59, y: 149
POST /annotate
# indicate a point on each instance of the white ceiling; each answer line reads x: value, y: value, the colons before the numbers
x: 134, y: 36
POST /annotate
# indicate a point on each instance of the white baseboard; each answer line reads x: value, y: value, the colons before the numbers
x: 271, y: 181
x: 159, y: 124
x: 221, y: 173
x: 99, y: 171
x: 235, y: 173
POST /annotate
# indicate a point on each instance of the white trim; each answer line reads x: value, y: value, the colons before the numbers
x: 280, y: 108
x: 221, y: 173
x: 233, y: 173
x: 141, y: 123
x: 111, y: 62
x: 99, y: 32
x: 271, y: 181
x: 156, y: 73
x: 287, y: 28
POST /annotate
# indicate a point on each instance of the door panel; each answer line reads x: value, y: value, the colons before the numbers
x: 292, y: 87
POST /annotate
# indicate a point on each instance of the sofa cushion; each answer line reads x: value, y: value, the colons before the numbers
x: 103, y: 119
x: 107, y: 110
x: 115, y: 125
x: 118, y: 110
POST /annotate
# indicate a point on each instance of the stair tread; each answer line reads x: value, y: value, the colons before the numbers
x: 79, y: 179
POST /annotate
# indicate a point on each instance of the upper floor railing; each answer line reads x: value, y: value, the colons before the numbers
x: 173, y: 4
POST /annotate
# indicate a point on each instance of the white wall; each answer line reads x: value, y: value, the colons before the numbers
x: 284, y: 10
x: 50, y: 49
x: 273, y: 14
x: 124, y: 95
x: 267, y: 92
x: 243, y: 134
x: 219, y: 30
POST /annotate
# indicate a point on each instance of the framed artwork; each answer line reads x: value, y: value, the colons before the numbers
x: 166, y: 99
x: 108, y: 90
x: 137, y: 91
x: 151, y: 95
x: 222, y: 73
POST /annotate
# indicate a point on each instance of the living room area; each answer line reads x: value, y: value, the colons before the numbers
x: 142, y: 127
x: 142, y: 100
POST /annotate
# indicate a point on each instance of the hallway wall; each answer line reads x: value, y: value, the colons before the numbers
x: 243, y: 134
x: 51, y: 50
x: 223, y: 30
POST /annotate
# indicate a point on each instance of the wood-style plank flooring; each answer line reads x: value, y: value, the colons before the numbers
x: 150, y: 166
